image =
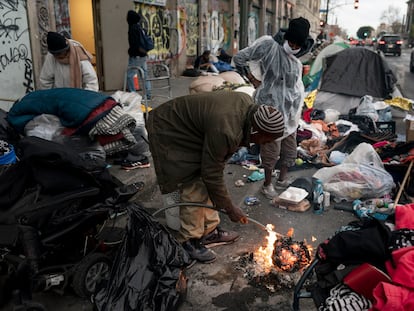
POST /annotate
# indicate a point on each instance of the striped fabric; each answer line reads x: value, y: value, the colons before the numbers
x: 342, y: 298
x: 116, y: 122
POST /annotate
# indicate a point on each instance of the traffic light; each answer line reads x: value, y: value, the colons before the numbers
x: 356, y: 4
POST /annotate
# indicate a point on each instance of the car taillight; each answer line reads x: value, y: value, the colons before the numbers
x: 399, y: 42
x: 381, y: 42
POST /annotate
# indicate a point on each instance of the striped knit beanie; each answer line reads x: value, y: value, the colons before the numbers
x: 269, y: 120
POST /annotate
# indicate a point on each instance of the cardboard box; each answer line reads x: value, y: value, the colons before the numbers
x: 409, y: 130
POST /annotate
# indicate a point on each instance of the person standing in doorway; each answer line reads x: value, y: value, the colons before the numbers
x: 281, y: 87
x: 68, y: 64
x: 137, y: 55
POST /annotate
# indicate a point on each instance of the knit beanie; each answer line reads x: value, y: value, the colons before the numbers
x: 269, y: 120
x: 56, y: 43
x: 298, y: 31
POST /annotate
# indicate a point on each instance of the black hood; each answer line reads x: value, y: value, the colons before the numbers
x: 279, y: 37
x: 133, y: 17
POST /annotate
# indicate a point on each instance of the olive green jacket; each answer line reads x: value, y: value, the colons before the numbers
x: 193, y: 136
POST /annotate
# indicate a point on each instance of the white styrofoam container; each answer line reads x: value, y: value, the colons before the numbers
x: 293, y: 195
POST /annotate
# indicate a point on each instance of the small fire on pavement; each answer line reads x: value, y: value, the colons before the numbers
x: 278, y: 264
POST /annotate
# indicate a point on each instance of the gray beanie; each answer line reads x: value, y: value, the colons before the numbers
x: 269, y: 120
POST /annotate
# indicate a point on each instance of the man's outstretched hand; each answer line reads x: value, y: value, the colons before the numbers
x: 237, y: 215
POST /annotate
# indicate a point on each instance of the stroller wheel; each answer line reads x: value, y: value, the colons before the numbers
x: 89, y: 272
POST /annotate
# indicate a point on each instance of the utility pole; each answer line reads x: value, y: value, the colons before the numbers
x: 327, y: 12
x: 244, y: 18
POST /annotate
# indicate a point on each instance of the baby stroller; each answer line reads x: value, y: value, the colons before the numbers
x: 354, y: 254
x: 54, y: 216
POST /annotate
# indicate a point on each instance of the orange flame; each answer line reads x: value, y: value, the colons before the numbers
x: 288, y: 258
x: 263, y: 256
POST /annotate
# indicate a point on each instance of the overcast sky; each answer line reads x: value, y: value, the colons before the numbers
x: 368, y: 14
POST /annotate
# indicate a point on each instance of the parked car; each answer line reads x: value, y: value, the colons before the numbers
x: 390, y: 44
x: 412, y: 61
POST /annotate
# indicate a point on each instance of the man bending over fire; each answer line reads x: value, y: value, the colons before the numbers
x: 191, y: 138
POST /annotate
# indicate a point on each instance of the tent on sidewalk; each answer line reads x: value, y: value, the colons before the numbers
x: 349, y: 75
x: 311, y: 80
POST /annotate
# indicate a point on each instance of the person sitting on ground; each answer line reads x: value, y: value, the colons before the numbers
x: 191, y: 138
x: 68, y: 64
x: 223, y: 56
x: 204, y: 63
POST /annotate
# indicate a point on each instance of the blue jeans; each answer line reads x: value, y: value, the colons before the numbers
x: 142, y: 63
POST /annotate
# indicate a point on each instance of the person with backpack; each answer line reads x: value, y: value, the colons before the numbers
x: 139, y: 46
x: 280, y: 86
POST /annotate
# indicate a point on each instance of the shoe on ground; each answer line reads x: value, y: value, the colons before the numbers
x: 197, y: 251
x: 219, y: 237
x: 131, y: 165
x: 275, y: 173
x: 269, y: 191
x: 283, y: 184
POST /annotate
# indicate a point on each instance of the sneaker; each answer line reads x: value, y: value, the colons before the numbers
x: 131, y: 165
x: 269, y: 191
x: 275, y: 173
x: 197, y: 251
x: 283, y: 184
x: 219, y: 237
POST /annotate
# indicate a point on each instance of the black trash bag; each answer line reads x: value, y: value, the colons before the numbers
x: 149, y: 268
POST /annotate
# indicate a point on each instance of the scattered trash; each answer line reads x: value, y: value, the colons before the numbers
x: 251, y: 167
x: 239, y: 183
x: 251, y: 200
x: 256, y: 176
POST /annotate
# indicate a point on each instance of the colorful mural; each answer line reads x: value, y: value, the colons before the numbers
x: 62, y: 17
x: 216, y: 31
x: 16, y: 64
x: 192, y: 28
x: 163, y: 26
x: 253, y: 27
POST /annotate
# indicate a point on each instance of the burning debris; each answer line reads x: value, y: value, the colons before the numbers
x: 291, y: 256
x: 277, y: 265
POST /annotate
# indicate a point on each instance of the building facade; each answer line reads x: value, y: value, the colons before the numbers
x: 181, y: 30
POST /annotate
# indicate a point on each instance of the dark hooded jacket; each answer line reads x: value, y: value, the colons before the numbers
x: 134, y: 33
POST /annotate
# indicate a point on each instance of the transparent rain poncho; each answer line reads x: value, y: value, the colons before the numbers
x: 281, y: 76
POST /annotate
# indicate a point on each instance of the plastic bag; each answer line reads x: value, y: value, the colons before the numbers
x: 367, y: 108
x: 131, y: 104
x: 148, y: 270
x: 361, y: 175
x: 46, y: 126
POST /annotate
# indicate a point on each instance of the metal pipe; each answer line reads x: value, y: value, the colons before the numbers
x: 213, y: 208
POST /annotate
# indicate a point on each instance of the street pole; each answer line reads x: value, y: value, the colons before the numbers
x: 327, y: 12
x: 244, y: 16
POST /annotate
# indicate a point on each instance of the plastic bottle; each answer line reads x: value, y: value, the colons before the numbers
x: 318, y: 197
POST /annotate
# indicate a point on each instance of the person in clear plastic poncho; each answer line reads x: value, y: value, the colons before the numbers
x: 278, y: 83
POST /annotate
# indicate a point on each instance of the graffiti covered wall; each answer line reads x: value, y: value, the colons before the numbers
x: 16, y: 64
x: 192, y: 28
x: 162, y: 25
x: 62, y: 17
